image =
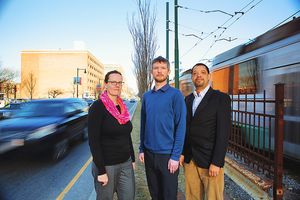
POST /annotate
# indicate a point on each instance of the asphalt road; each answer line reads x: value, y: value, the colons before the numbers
x: 28, y: 177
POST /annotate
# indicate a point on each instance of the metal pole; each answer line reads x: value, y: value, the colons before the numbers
x: 77, y: 82
x: 278, y: 164
x: 167, y: 30
x: 176, y: 47
x: 167, y: 33
x: 15, y: 92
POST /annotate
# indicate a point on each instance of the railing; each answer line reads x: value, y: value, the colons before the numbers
x: 257, y: 134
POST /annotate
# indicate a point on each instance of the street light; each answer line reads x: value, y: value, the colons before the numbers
x: 99, y: 87
x: 77, y: 78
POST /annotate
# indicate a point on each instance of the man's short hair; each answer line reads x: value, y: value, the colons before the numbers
x: 109, y: 73
x: 200, y: 64
x: 161, y: 59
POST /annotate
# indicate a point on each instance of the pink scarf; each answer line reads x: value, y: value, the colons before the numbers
x: 122, y: 117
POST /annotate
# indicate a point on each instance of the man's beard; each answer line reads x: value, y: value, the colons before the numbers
x: 160, y: 80
x: 199, y: 83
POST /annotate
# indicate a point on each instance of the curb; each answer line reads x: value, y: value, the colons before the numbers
x: 254, y: 185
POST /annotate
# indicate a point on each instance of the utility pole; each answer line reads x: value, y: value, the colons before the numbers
x: 167, y: 32
x: 176, y: 56
x: 77, y: 80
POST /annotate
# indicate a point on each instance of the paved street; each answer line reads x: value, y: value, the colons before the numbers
x: 34, y: 177
x: 26, y: 177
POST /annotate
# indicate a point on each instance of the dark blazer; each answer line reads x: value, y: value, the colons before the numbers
x: 208, y: 130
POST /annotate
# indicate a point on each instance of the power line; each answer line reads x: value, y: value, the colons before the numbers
x: 206, y: 11
x: 219, y: 27
x: 228, y: 40
x: 191, y: 35
x: 230, y: 26
x: 214, y: 42
x: 247, y: 5
x: 211, y: 33
x: 187, y: 27
x: 285, y: 20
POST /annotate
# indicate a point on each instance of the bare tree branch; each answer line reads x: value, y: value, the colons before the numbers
x: 54, y: 92
x: 142, y: 30
x: 7, y: 84
x: 8, y: 88
x: 30, y: 84
x: 6, y: 75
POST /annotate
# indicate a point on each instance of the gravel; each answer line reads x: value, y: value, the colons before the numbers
x: 234, y: 191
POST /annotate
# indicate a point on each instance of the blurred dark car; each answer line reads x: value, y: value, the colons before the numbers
x: 132, y: 101
x: 9, y: 110
x: 89, y: 101
x: 49, y: 124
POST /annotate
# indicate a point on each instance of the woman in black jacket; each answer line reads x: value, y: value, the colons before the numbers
x: 109, y: 129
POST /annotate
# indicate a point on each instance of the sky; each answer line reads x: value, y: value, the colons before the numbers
x: 103, y: 27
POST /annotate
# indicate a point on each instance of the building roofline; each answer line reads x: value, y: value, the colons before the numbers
x: 56, y: 51
x: 71, y: 51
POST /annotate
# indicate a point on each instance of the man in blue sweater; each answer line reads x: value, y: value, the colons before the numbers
x: 163, y: 123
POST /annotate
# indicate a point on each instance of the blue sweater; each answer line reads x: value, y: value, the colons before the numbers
x: 163, y: 122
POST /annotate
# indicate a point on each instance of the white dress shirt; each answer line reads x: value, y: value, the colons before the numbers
x: 198, y: 98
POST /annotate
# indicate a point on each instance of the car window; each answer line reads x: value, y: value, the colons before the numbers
x: 38, y: 109
x: 85, y: 104
x: 15, y: 106
x: 78, y: 106
x: 81, y: 105
x: 7, y: 106
x: 69, y: 108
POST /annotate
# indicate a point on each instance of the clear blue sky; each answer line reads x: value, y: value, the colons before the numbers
x: 102, y: 25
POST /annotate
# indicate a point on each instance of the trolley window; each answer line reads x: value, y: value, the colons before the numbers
x: 248, y: 77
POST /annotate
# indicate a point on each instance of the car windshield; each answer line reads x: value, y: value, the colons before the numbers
x: 39, y: 109
x: 14, y: 106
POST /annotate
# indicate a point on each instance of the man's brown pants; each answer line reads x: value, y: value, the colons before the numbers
x: 200, y: 186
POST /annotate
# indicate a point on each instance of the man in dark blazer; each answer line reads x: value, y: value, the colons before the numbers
x: 207, y: 130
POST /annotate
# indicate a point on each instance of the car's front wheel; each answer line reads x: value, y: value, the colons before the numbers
x: 60, y: 149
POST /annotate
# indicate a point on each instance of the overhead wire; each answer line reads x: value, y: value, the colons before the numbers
x: 285, y: 20
x: 187, y: 27
x: 214, y: 42
x: 219, y: 27
x: 206, y: 11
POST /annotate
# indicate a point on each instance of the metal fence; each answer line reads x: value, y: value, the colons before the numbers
x: 257, y: 134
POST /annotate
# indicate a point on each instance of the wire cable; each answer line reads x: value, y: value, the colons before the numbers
x: 285, y: 20
x: 214, y: 42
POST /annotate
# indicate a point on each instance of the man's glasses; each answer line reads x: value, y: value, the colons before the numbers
x: 115, y: 83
